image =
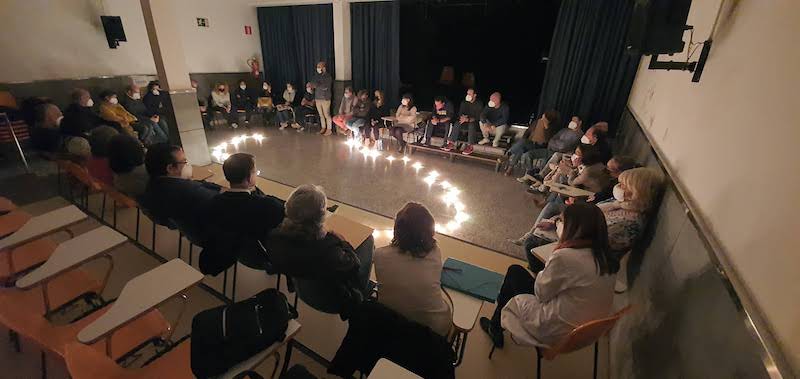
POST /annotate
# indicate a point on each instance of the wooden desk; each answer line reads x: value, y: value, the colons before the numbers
x: 12, y: 221
x: 72, y: 253
x: 386, y: 369
x: 353, y: 232
x: 42, y: 225
x: 568, y: 190
x: 201, y: 173
x: 141, y: 294
x: 256, y: 360
x: 465, y: 310
x: 544, y: 252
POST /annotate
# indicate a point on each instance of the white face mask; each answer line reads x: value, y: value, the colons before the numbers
x: 585, y: 140
x: 309, y: 89
x: 492, y: 104
x: 186, y: 171
x: 266, y: 87
x: 113, y: 100
x: 573, y: 125
x: 58, y: 120
x: 243, y: 87
x: 319, y: 71
x: 468, y: 98
x: 559, y: 228
x: 619, y: 193
x: 155, y: 92
x: 404, y: 102
x: 90, y: 103
x: 348, y: 95
x: 136, y: 96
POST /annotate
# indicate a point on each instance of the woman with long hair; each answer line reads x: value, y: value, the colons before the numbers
x: 576, y: 285
x: 414, y: 253
x: 405, y: 120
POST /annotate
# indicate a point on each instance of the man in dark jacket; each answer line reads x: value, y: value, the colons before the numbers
x: 442, y: 118
x: 494, y: 119
x: 172, y: 194
x: 322, y: 82
x: 79, y: 118
x: 240, y: 218
x: 469, y: 112
x: 132, y: 102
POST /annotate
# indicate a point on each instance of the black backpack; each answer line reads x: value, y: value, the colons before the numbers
x: 227, y: 335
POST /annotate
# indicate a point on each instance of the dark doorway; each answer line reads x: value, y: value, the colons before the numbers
x: 501, y: 42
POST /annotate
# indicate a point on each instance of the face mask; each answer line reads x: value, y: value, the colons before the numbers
x: 348, y: 95
x: 492, y: 104
x: 319, y: 71
x: 266, y: 87
x: 58, y: 120
x: 559, y: 229
x: 156, y: 92
x: 309, y: 89
x: 585, y: 140
x: 404, y: 102
x: 186, y: 171
x: 90, y: 103
x: 136, y: 96
x: 573, y: 125
x: 468, y: 98
x: 576, y: 160
x: 113, y: 100
x: 619, y: 193
x: 243, y: 87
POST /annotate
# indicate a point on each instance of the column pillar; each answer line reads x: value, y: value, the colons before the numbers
x: 341, y: 50
x: 173, y: 73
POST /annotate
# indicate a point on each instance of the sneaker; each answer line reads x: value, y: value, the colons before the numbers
x: 234, y: 125
x: 448, y: 146
x: 301, y: 129
x: 322, y: 131
x: 327, y: 132
x: 283, y: 126
x: 519, y: 241
x: 495, y: 144
x: 495, y: 335
x: 468, y: 150
x: 484, y: 141
x: 296, y: 126
x: 527, y: 179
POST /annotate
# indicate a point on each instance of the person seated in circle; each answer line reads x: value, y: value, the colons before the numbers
x: 575, y: 286
x: 361, y: 111
x: 405, y: 120
x: 345, y: 109
x: 414, y: 253
x: 330, y: 275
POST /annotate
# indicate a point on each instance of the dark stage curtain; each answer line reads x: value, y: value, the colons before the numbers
x: 293, y: 40
x: 375, y: 43
x: 589, y: 73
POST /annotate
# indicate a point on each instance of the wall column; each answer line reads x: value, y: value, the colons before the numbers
x: 173, y: 73
x: 341, y: 40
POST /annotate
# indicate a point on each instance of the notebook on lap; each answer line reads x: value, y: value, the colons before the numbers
x: 472, y: 280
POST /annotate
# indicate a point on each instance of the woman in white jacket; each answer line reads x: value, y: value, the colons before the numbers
x: 576, y: 285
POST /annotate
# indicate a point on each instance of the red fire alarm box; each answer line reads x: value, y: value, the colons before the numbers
x: 248, y: 30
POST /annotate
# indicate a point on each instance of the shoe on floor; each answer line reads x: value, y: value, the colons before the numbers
x: 448, y: 146
x: 301, y: 129
x: 495, y: 336
x: 468, y: 150
x: 296, y: 126
x: 234, y: 125
x: 527, y: 179
x: 327, y: 132
x: 282, y: 127
x: 518, y: 241
x: 484, y: 141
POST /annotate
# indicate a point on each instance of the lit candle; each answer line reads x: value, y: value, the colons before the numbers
x: 406, y: 159
x: 390, y: 158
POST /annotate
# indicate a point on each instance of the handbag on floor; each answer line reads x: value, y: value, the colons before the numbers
x: 227, y: 335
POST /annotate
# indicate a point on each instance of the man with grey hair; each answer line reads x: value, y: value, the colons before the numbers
x: 331, y: 276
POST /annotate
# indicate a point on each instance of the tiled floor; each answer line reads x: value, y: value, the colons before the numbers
x: 498, y: 205
x: 320, y: 332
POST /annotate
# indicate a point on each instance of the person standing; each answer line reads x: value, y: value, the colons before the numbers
x: 322, y: 83
x: 494, y: 120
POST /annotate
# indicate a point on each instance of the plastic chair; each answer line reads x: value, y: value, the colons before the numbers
x: 53, y: 339
x: 25, y: 257
x: 84, y: 362
x: 584, y: 335
x: 90, y: 185
x: 12, y: 221
x: 121, y: 200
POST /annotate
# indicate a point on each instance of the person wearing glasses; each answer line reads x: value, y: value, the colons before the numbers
x: 171, y: 193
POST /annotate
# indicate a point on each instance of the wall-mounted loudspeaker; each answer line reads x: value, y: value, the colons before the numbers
x: 114, y: 31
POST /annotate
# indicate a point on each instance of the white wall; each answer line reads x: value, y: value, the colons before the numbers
x: 64, y: 39
x: 61, y: 39
x: 222, y: 47
x: 733, y: 141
